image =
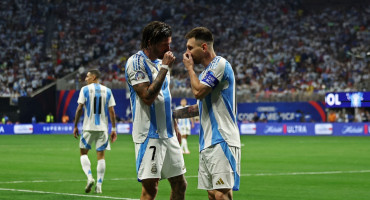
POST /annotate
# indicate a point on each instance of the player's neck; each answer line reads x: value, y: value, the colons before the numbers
x: 208, y: 59
x: 97, y: 82
x: 150, y: 55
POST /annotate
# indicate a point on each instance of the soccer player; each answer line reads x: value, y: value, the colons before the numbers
x: 185, y: 125
x: 219, y: 139
x: 98, y: 101
x: 158, y: 153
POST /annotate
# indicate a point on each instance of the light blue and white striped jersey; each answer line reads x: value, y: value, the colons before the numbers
x: 153, y: 121
x: 183, y: 123
x: 218, y: 109
x: 96, y: 99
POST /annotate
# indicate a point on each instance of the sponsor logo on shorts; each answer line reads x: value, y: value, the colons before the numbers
x: 220, y: 182
x: 154, y: 169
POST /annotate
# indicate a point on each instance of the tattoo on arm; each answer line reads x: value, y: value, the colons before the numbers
x: 149, y: 92
x: 187, y: 112
x: 155, y: 87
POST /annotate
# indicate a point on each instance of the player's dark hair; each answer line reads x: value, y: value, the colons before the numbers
x: 95, y: 72
x: 200, y: 33
x: 155, y: 32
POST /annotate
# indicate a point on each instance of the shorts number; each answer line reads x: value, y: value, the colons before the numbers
x: 99, y: 108
x: 154, y: 148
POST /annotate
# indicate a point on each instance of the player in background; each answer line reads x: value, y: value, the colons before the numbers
x: 185, y: 125
x: 219, y: 139
x: 97, y: 101
x: 158, y: 153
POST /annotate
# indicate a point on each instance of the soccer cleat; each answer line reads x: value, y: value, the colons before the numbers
x: 98, y: 189
x: 90, y: 183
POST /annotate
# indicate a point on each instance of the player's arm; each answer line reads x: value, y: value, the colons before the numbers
x: 199, y: 90
x: 78, y: 114
x: 187, y: 112
x: 148, y: 92
x: 112, y: 115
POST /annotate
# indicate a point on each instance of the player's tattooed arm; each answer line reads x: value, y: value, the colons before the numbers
x: 148, y: 92
x: 188, y: 112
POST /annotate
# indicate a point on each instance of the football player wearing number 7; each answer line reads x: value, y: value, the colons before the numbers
x: 158, y: 153
x: 97, y: 101
x: 219, y: 139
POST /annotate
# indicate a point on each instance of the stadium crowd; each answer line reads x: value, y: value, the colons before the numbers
x: 280, y: 50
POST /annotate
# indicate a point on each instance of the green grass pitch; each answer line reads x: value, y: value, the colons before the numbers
x: 272, y: 168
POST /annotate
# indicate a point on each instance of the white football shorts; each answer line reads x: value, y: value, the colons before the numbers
x: 219, y: 167
x: 159, y: 158
x: 100, y: 138
x: 185, y: 130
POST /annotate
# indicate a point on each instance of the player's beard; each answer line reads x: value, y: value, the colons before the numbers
x: 196, y: 60
x: 159, y: 54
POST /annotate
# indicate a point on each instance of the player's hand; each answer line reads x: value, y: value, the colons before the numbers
x: 75, y: 133
x: 113, y: 136
x: 188, y: 61
x: 168, y: 59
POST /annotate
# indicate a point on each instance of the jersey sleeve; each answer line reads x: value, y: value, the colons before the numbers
x: 81, y: 96
x: 136, y: 72
x: 213, y: 76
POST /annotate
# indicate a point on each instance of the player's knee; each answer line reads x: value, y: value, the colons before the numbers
x: 224, y: 194
x: 184, y: 185
x: 149, y: 189
x: 179, y: 183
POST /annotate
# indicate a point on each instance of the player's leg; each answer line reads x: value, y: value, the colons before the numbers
x: 85, y: 163
x: 174, y: 168
x: 85, y: 146
x: 178, y: 187
x: 184, y: 143
x: 100, y: 171
x: 102, y: 144
x: 149, y: 188
x: 220, y: 194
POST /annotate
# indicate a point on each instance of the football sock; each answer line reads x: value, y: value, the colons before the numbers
x: 184, y: 143
x: 100, y: 171
x: 86, y: 166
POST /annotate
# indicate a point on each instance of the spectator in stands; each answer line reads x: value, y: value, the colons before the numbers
x: 65, y: 119
x: 332, y: 117
x: 49, y: 118
x: 255, y: 117
x: 305, y: 54
x: 5, y: 119
x: 33, y: 119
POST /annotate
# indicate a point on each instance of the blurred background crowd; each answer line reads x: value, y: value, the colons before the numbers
x: 280, y: 50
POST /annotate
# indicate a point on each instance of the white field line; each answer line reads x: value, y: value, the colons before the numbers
x: 259, y: 174
x: 64, y: 194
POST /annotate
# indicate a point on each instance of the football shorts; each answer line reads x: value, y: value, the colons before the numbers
x: 159, y: 158
x: 219, y: 167
x: 100, y: 138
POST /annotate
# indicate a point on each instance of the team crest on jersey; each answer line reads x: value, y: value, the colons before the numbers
x: 154, y: 168
x: 139, y: 75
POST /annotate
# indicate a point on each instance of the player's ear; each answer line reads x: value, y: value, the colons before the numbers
x: 204, y: 46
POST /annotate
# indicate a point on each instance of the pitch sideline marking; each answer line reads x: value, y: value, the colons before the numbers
x: 259, y: 174
x: 65, y: 194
